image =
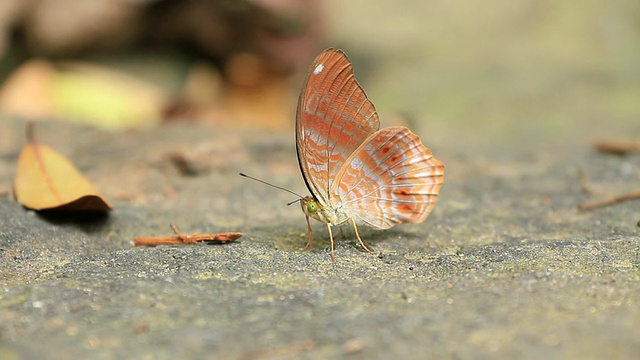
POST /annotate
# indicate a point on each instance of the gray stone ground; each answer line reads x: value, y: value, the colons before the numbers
x: 509, y: 95
x: 505, y: 266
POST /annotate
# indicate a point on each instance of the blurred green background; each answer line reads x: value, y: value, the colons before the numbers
x: 544, y: 72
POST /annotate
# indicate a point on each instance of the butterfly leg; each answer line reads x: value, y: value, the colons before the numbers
x: 359, y: 239
x: 342, y: 233
x: 333, y: 256
x: 309, y: 231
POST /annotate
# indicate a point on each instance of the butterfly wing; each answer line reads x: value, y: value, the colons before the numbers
x: 392, y: 178
x: 333, y: 118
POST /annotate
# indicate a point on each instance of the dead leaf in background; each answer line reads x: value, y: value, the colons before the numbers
x: 46, y: 180
x: 83, y: 92
x: 28, y: 91
x: 255, y: 95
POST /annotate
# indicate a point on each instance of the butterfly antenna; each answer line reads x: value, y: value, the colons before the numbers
x: 275, y: 186
x: 294, y: 201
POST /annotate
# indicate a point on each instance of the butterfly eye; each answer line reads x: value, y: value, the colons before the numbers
x: 312, y: 207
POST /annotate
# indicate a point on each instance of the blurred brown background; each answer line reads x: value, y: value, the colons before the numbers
x: 544, y: 71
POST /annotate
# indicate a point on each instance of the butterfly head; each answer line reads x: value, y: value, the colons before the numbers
x: 309, y: 206
x: 312, y: 208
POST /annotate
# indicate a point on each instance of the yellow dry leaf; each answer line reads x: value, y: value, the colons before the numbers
x: 47, y: 180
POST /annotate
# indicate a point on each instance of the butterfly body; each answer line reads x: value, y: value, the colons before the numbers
x: 327, y: 214
x: 356, y: 172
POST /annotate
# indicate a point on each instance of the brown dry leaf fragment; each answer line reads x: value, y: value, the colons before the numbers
x: 353, y: 346
x: 290, y: 350
x: 46, y: 180
x: 618, y: 147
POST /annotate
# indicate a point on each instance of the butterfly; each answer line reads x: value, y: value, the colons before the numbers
x: 356, y: 172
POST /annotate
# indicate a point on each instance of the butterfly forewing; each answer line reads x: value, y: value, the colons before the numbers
x: 334, y: 117
x: 392, y: 178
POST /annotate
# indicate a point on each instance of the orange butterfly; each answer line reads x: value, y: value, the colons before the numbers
x: 355, y: 172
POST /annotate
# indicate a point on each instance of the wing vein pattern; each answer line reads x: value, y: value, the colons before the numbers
x: 334, y: 117
x: 391, y: 178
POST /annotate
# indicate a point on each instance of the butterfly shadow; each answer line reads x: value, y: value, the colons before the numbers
x: 346, y: 235
x: 371, y: 237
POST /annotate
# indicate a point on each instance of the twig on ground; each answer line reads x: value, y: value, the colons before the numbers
x: 585, y: 183
x: 182, y: 239
x: 609, y: 200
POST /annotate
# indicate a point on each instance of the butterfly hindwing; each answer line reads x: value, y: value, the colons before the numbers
x: 334, y: 118
x: 392, y: 178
